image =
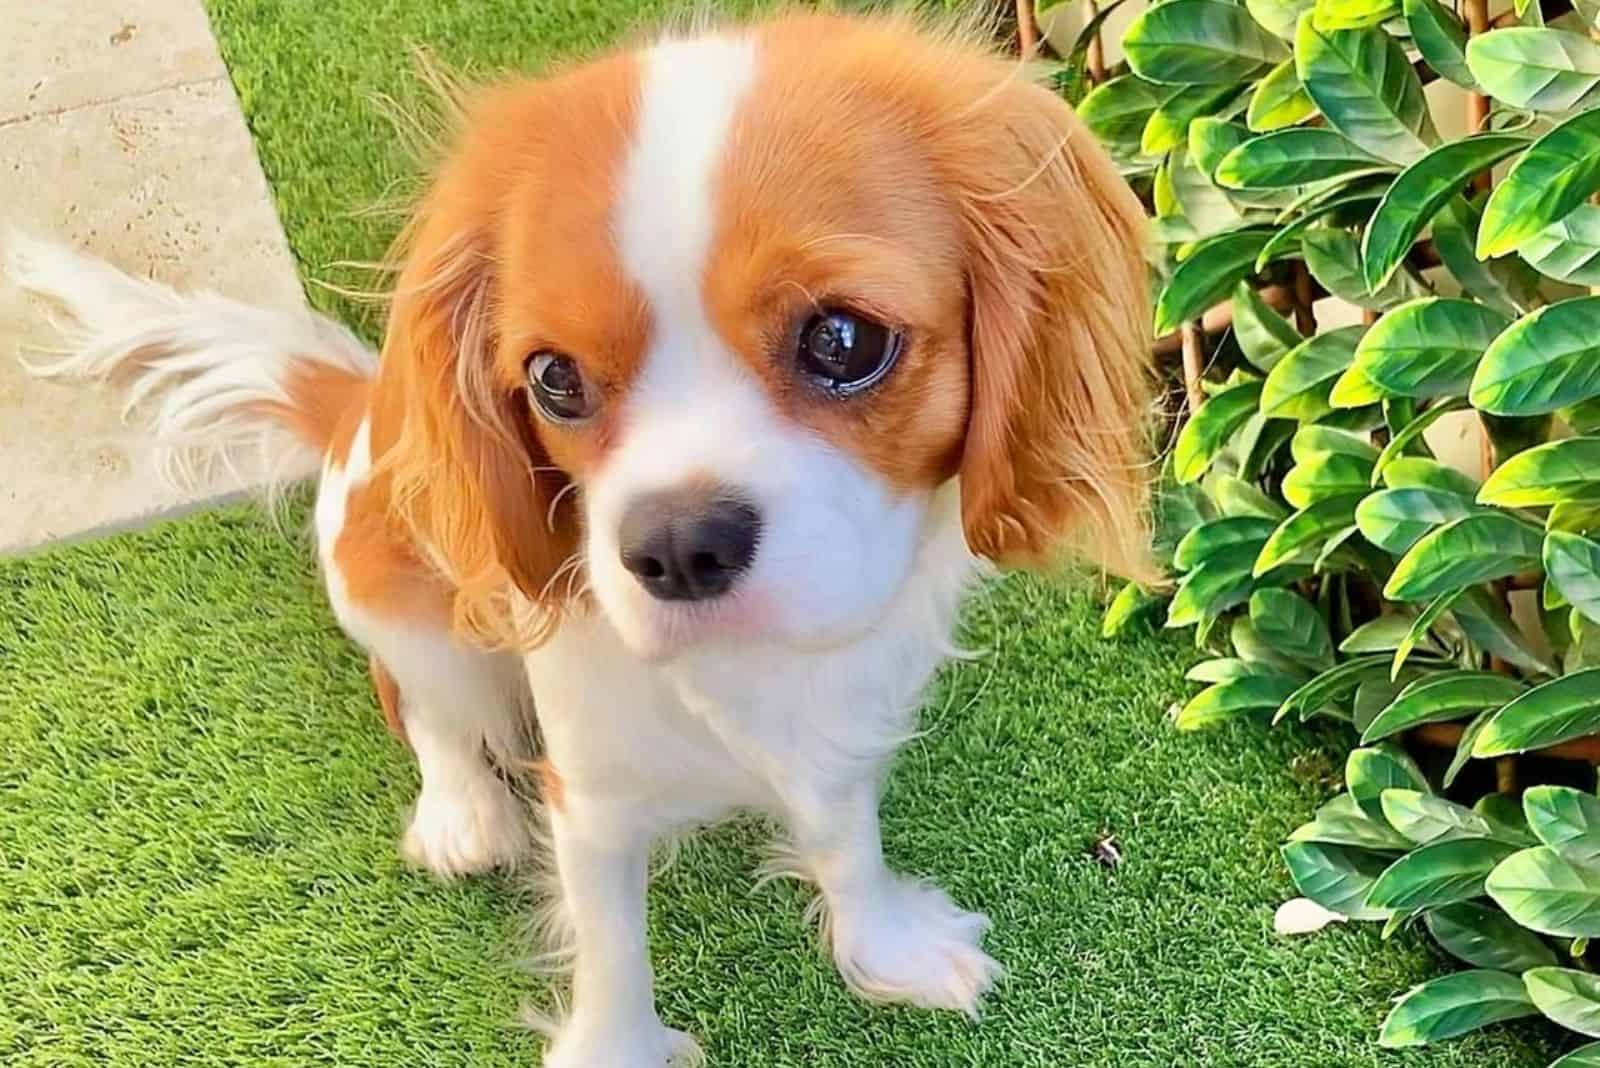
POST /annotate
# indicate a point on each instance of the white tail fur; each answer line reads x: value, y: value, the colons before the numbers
x: 209, y: 366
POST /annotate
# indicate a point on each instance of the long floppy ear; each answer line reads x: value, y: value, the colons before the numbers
x: 1056, y: 450
x: 468, y: 475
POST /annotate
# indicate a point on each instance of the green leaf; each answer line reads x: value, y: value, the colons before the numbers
x: 1399, y: 471
x: 1297, y: 387
x: 1210, y: 538
x: 1328, y: 474
x: 1452, y: 1006
x: 1577, y: 517
x: 1395, y: 520
x: 1334, y: 258
x: 1199, y: 42
x: 1206, y: 210
x: 1210, y: 139
x: 1428, y: 347
x: 1566, y: 470
x: 1279, y: 100
x: 1423, y: 818
x: 1463, y: 753
x: 1365, y: 87
x: 1566, y: 820
x: 1130, y: 604
x: 1545, y: 892
x: 1507, y: 285
x: 1292, y: 626
x: 1569, y: 997
x: 1560, y: 171
x: 1117, y: 111
x: 1204, y: 435
x: 1279, y: 16
x: 1341, y: 822
x: 1568, y: 250
x: 1586, y: 1057
x: 1168, y: 125
x: 1555, y: 712
x: 1237, y: 497
x: 1485, y: 938
x: 1216, y: 584
x: 1441, y: 698
x: 1379, y: 635
x: 1420, y: 628
x: 1440, y: 873
x: 1233, y: 698
x: 1211, y: 270
x: 1572, y: 563
x: 1314, y: 439
x: 1483, y: 618
x: 1420, y: 192
x: 1286, y: 241
x: 1542, y: 362
x: 1476, y: 548
x: 1535, y: 68
x: 1251, y: 648
x: 1226, y: 669
x: 1336, y: 877
x: 1264, y: 336
x: 1289, y: 158
x: 1306, y: 530
x: 1353, y: 14
x: 1369, y: 771
x: 1441, y: 39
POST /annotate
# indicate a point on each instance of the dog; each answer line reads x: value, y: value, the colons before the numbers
x: 716, y: 371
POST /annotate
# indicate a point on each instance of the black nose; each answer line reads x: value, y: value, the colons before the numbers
x: 688, y: 544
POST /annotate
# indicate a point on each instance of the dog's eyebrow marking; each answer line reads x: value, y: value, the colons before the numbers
x: 689, y: 93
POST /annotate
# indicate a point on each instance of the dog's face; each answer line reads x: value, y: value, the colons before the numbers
x: 711, y: 323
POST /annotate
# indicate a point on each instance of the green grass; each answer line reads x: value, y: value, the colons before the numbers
x: 198, y: 803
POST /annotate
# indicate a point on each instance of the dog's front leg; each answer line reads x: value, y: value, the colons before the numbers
x: 602, y: 861
x: 893, y: 938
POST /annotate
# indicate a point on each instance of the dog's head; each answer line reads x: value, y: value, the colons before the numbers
x: 702, y: 328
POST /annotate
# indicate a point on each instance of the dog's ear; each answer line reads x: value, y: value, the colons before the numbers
x: 468, y: 475
x: 1056, y: 452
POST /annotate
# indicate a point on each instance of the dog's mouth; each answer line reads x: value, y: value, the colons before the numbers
x: 660, y: 631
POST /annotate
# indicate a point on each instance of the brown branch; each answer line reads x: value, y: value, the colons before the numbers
x: 1194, y: 365
x: 1097, y: 51
x: 1027, y: 28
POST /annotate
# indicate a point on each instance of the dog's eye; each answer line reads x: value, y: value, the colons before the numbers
x: 847, y: 352
x: 558, y: 387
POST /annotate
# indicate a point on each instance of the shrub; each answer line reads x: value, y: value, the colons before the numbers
x: 1333, y: 564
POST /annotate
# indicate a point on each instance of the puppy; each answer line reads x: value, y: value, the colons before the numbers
x: 715, y: 373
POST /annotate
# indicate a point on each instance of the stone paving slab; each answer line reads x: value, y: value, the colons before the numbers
x: 162, y: 180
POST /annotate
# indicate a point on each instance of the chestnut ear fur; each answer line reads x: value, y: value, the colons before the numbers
x: 1056, y: 454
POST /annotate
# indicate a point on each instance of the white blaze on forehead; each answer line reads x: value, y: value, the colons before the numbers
x: 689, y: 93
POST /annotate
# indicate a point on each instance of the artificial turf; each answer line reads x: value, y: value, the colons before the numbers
x: 198, y: 803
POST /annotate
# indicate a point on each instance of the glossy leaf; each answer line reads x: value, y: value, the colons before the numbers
x: 1420, y: 192
x: 1353, y: 14
x: 1565, y: 470
x: 1280, y: 17
x: 1237, y: 497
x: 1395, y: 520
x: 1568, y: 250
x: 1264, y: 336
x: 1168, y: 125
x: 1365, y: 87
x: 1566, y: 820
x: 1199, y: 42
x: 1572, y: 564
x: 1369, y: 771
x: 1209, y: 429
x: 1216, y: 584
x: 1568, y: 996
x: 1325, y: 475
x: 1545, y: 892
x: 1334, y: 258
x: 1428, y: 347
x: 1298, y: 386
x: 1341, y: 822
x: 1210, y: 538
x: 1210, y: 271
x: 1464, y: 552
x: 1483, y: 618
x: 1557, y: 711
x: 1486, y: 938
x: 1542, y: 362
x: 1440, y: 873
x: 1379, y: 635
x: 1336, y: 877
x: 1132, y: 603
x: 1441, y: 698
x: 1210, y: 139
x: 1306, y: 530
x: 1441, y: 38
x: 1463, y: 754
x: 1279, y: 100
x: 1117, y: 111
x: 1293, y: 627
x: 1399, y: 471
x: 1251, y: 648
x: 1233, y: 698
x: 1585, y: 1057
x: 1508, y: 285
x: 1535, y: 68
x: 1314, y: 439
x: 1454, y: 1005
x: 1423, y: 818
x: 1558, y: 172
x: 1289, y: 158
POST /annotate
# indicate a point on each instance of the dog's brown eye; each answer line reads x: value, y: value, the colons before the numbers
x: 558, y: 388
x: 847, y: 352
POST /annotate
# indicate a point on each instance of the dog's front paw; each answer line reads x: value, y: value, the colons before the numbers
x: 652, y: 1046
x: 910, y: 943
x: 475, y: 827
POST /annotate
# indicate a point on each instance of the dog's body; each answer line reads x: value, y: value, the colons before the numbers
x: 726, y: 581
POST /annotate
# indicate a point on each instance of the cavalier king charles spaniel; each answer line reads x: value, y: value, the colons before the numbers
x: 716, y: 371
